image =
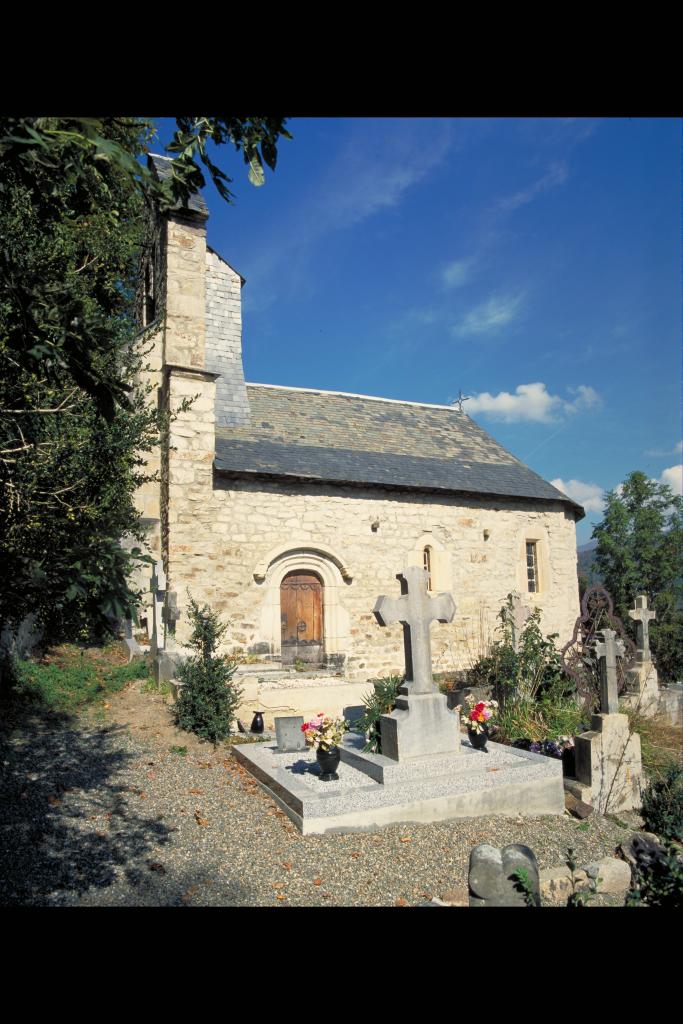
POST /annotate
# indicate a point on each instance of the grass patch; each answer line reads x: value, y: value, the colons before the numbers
x: 68, y: 678
x: 180, y: 751
x: 151, y: 686
x: 661, y: 744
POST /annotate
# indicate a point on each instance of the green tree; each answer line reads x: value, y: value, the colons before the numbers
x: 75, y: 195
x: 640, y: 551
x: 208, y: 698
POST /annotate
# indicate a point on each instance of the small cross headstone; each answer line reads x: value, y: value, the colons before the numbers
x: 608, y: 650
x: 130, y: 644
x: 493, y: 881
x: 288, y: 733
x: 642, y: 616
x: 170, y: 615
x: 416, y: 610
x: 158, y: 589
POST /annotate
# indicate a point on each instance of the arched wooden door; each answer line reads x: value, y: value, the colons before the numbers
x: 301, y: 617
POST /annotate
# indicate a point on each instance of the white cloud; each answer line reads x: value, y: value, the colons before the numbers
x: 591, y: 496
x: 673, y: 476
x: 380, y: 162
x: 659, y: 453
x: 532, y: 403
x: 557, y: 175
x: 497, y: 312
x: 456, y: 274
x: 586, y: 398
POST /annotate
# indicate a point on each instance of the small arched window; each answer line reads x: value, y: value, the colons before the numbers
x: 427, y: 564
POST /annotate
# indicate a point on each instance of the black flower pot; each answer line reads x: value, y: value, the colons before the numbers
x: 329, y: 762
x: 478, y: 739
x: 569, y: 762
x: 257, y: 722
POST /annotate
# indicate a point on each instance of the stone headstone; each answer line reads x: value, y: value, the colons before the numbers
x: 353, y: 713
x: 158, y: 589
x: 643, y: 693
x: 421, y: 724
x: 608, y: 650
x: 130, y: 645
x: 609, y: 765
x: 517, y: 615
x: 608, y: 757
x: 492, y: 878
x: 642, y: 615
x: 170, y: 615
x: 288, y: 733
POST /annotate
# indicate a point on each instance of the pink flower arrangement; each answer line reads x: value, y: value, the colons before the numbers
x: 478, y: 714
x: 324, y: 731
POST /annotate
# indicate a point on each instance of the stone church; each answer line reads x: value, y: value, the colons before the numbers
x: 290, y: 510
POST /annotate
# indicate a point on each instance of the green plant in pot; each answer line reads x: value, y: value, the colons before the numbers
x: 380, y: 702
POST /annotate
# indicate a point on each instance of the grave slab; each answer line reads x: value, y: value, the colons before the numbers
x: 504, y: 781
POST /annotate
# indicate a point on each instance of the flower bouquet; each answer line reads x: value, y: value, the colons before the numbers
x: 477, y: 717
x: 324, y: 732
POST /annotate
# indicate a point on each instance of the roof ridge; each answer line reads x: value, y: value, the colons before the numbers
x: 351, y: 394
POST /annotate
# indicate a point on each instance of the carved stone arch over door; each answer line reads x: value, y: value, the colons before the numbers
x: 306, y: 567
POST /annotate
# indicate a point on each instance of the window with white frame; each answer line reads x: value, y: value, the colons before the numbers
x: 427, y: 564
x: 532, y: 566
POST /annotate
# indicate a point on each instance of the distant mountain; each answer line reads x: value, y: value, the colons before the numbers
x: 586, y: 563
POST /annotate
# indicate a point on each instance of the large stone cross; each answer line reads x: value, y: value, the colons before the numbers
x: 642, y: 615
x: 416, y: 610
x: 608, y: 650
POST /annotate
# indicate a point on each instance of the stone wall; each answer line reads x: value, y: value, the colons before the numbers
x: 223, y: 353
x: 231, y: 541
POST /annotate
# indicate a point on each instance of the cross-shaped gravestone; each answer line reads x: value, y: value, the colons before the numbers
x: 158, y: 589
x: 416, y: 610
x: 608, y: 650
x: 170, y: 615
x: 642, y: 615
x: 516, y: 614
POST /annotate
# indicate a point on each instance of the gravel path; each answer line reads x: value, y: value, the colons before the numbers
x: 91, y: 815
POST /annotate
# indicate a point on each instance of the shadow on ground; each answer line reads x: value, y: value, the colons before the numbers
x: 65, y: 824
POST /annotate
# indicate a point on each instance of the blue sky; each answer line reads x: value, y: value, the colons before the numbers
x: 533, y: 264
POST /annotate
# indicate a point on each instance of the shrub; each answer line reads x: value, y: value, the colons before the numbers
x: 208, y: 698
x: 380, y: 702
x: 658, y: 879
x: 662, y: 809
x: 536, y: 697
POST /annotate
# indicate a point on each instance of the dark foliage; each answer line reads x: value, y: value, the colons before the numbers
x: 662, y: 809
x: 640, y: 551
x: 658, y: 878
x: 75, y: 425
x: 208, y: 699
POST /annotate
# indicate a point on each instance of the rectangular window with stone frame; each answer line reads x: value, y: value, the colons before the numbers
x: 532, y: 566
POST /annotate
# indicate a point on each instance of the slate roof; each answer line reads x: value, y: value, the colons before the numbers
x: 162, y: 168
x: 304, y: 434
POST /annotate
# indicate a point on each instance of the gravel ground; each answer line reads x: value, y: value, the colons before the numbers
x: 92, y: 815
